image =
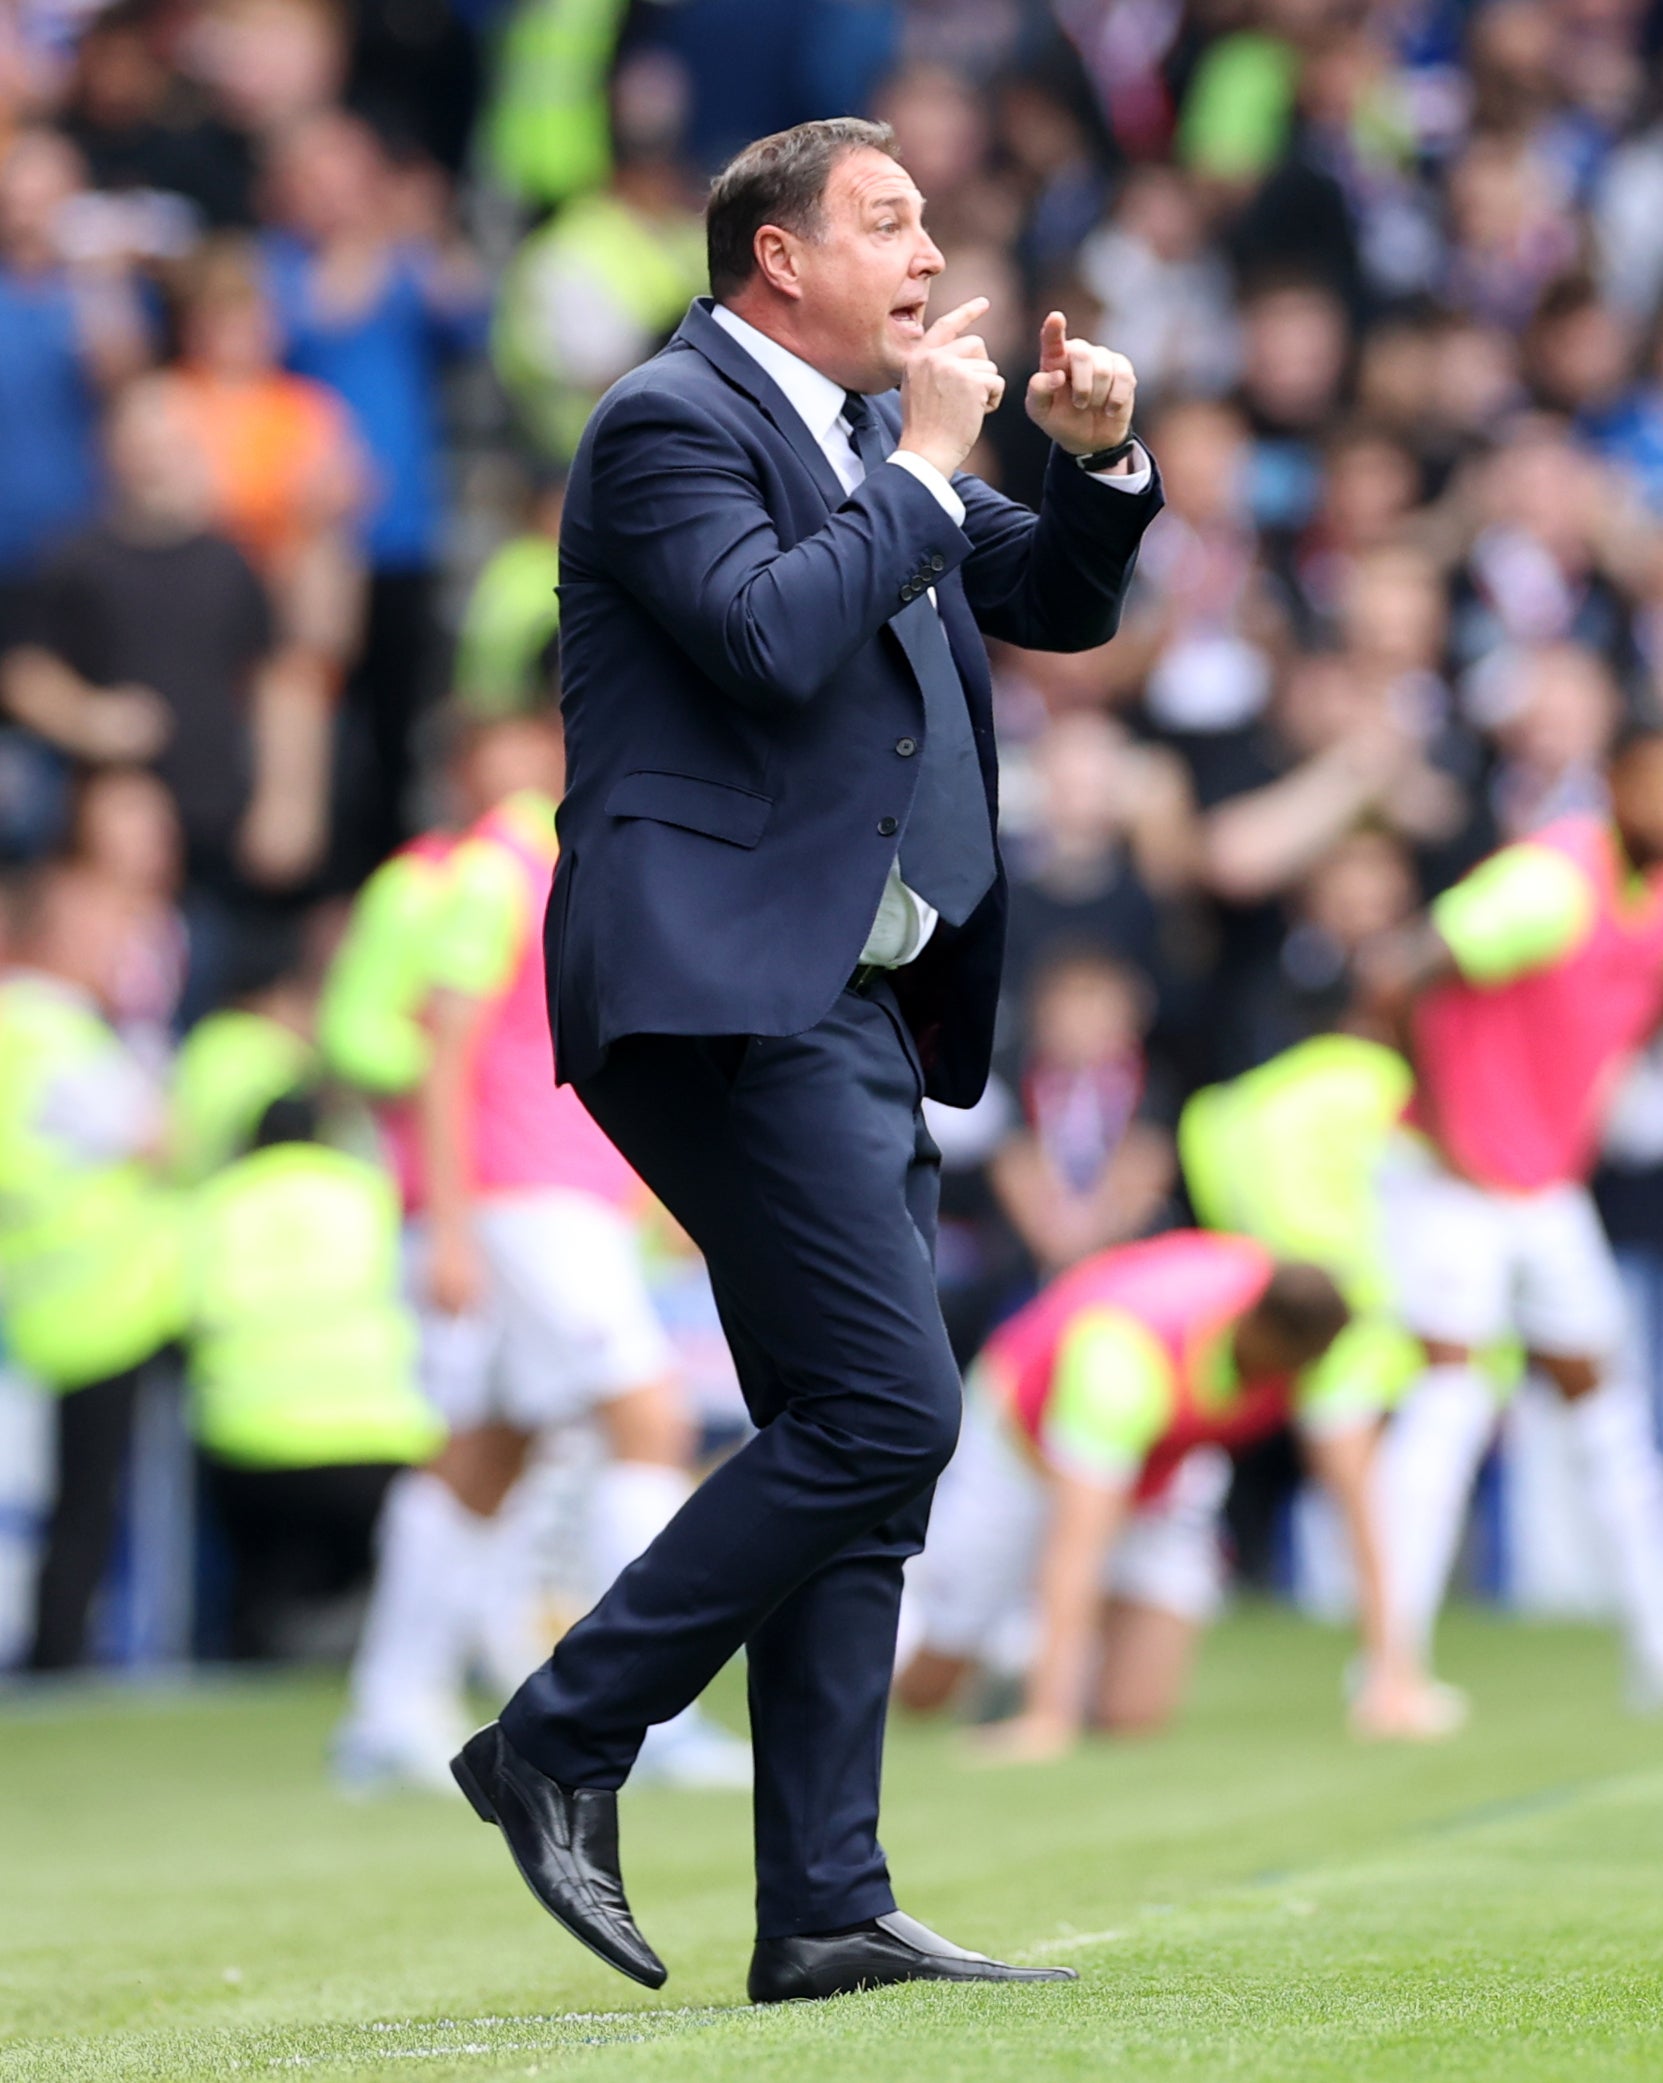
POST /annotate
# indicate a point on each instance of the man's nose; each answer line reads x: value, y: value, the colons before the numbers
x: 929, y: 259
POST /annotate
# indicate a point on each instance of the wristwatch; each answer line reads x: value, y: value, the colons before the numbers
x: 1106, y: 458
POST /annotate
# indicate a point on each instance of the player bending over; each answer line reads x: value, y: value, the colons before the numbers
x: 1090, y: 1472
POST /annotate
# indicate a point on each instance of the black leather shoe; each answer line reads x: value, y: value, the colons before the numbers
x: 565, y: 1843
x: 895, y: 1948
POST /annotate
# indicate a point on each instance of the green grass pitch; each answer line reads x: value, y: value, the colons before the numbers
x: 1256, y: 1897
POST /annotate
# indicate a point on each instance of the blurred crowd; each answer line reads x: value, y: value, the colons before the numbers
x: 303, y: 306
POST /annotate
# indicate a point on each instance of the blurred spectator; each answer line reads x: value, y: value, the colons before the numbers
x: 264, y: 65
x: 1295, y: 351
x: 124, y: 826
x: 66, y: 330
x: 945, y: 137
x: 1045, y: 134
x: 1357, y: 130
x: 1165, y: 295
x: 1628, y: 225
x: 1392, y: 622
x: 508, y: 648
x: 285, y: 470
x: 1553, y: 714
x: 1341, y: 751
x: 374, y: 289
x: 1476, y: 380
x: 1583, y: 356
x: 1551, y: 552
x: 1091, y: 1165
x: 151, y: 642
x: 1370, y: 485
x: 1336, y: 754
x: 600, y: 286
x: 1364, y: 885
x: 90, y: 1247
x: 302, y: 1369
x: 1237, y: 115
x: 1110, y: 839
x: 416, y: 73
x: 1510, y: 234
x: 753, y: 67
x: 287, y: 479
x: 545, y: 131
x: 1203, y: 626
x: 131, y: 116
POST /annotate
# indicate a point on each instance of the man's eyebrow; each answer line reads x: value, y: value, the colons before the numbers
x: 895, y: 201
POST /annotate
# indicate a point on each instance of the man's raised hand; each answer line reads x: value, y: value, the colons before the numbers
x: 1080, y: 395
x: 949, y: 386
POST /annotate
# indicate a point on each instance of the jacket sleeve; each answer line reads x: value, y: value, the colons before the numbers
x: 1055, y: 580
x: 680, y: 521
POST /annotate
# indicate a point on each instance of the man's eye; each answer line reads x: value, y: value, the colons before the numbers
x: 889, y: 224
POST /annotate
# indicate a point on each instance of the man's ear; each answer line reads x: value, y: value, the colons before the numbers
x: 778, y: 256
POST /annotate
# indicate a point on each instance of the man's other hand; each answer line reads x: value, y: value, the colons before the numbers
x: 1080, y: 395
x: 949, y: 386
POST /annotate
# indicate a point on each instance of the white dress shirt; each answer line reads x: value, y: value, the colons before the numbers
x: 904, y: 921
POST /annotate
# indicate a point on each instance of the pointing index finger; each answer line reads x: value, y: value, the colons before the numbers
x: 1053, y: 337
x: 952, y: 323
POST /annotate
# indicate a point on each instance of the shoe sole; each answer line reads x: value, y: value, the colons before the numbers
x: 480, y: 1802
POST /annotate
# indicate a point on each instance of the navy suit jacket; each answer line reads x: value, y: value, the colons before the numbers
x: 741, y: 724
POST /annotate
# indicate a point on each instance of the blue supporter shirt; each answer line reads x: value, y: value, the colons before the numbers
x: 384, y: 361
x: 49, y: 475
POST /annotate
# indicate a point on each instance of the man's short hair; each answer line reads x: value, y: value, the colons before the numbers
x: 1303, y: 1309
x: 779, y: 180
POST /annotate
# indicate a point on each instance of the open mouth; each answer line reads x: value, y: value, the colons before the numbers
x: 909, y: 318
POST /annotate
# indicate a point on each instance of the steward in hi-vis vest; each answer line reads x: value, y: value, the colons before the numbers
x: 1089, y: 1473
x: 302, y: 1364
x: 91, y: 1270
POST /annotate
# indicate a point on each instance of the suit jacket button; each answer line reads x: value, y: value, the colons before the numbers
x: 909, y: 592
x: 888, y: 827
x: 906, y: 747
x: 938, y: 564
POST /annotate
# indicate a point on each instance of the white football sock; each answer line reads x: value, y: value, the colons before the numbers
x: 1619, y: 1463
x: 412, y: 1656
x: 1427, y: 1466
x: 511, y: 1634
x: 633, y: 1502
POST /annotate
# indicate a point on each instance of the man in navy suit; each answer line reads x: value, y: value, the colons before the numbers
x: 777, y: 926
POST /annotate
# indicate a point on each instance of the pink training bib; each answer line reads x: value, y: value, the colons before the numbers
x: 397, y: 1117
x: 527, y: 1132
x: 1187, y: 1288
x: 1514, y: 1079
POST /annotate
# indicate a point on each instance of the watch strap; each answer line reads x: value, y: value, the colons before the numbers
x: 1106, y: 458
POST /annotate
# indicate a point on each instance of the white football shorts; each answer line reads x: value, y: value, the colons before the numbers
x: 567, y: 1323
x: 1472, y: 1266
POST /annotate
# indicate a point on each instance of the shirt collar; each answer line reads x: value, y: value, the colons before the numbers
x: 816, y: 399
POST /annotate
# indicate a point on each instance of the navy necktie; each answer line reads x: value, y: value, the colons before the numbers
x: 947, y: 844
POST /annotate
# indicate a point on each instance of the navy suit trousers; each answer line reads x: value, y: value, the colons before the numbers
x: 802, y: 1168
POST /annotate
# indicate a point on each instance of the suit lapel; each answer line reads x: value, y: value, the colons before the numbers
x: 700, y: 331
